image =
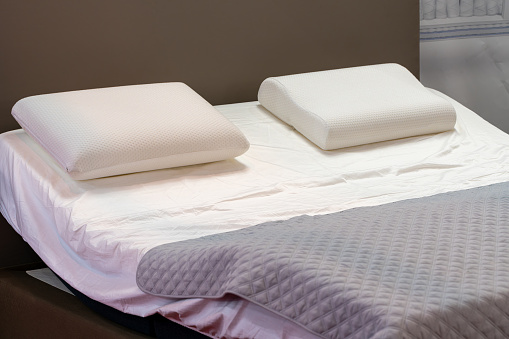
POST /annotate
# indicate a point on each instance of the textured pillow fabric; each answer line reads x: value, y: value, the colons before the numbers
x: 358, y: 105
x: 110, y: 131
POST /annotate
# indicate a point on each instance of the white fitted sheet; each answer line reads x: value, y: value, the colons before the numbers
x: 93, y: 233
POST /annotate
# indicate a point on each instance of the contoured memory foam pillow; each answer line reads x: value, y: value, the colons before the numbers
x: 110, y: 131
x: 355, y: 106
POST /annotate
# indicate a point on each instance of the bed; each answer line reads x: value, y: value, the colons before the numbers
x: 93, y: 233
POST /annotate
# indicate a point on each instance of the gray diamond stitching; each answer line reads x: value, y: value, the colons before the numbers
x: 423, y: 268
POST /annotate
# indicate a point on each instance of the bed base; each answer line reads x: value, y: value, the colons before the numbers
x: 14, y: 251
x: 34, y: 309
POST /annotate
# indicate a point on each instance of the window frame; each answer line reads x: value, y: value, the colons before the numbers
x: 466, y: 27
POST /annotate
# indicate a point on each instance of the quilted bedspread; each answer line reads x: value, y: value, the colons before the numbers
x: 432, y: 267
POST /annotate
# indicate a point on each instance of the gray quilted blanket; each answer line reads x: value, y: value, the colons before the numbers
x: 433, y: 267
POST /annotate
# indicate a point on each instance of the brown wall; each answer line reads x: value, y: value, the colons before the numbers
x: 221, y: 48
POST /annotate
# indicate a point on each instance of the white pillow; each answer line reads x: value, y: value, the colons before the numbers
x: 109, y: 131
x: 358, y: 105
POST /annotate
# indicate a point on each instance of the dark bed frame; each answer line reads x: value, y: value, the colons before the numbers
x: 223, y: 49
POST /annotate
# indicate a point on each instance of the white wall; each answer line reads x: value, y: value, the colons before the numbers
x: 474, y: 71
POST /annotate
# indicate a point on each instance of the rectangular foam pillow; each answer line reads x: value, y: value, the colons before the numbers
x: 358, y: 105
x: 110, y: 131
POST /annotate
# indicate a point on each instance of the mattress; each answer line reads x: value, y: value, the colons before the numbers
x: 93, y: 233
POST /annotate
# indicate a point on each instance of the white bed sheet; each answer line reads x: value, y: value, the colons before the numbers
x: 93, y: 233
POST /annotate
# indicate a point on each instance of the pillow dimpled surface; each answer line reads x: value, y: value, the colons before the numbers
x: 355, y: 106
x: 110, y: 131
